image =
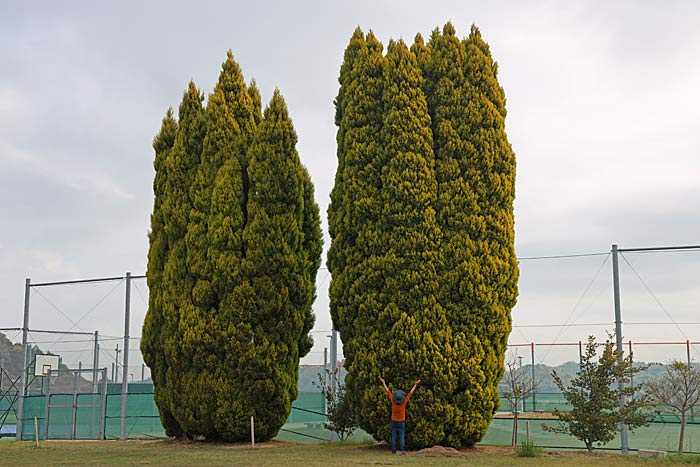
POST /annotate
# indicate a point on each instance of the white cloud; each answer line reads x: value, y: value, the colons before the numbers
x: 90, y: 180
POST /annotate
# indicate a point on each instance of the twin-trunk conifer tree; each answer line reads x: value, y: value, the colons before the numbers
x: 423, y: 266
x: 235, y: 245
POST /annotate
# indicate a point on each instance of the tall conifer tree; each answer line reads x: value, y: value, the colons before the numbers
x: 182, y: 163
x: 474, y: 397
x: 356, y: 202
x: 491, y: 172
x: 237, y: 289
x: 410, y: 334
x: 152, y: 344
x: 425, y: 284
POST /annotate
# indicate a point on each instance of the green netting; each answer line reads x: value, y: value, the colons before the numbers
x: 87, y: 416
x: 8, y: 407
x: 142, y: 420
x: 61, y: 416
x: 311, y: 401
x: 656, y: 436
x: 33, y: 407
x: 541, y: 402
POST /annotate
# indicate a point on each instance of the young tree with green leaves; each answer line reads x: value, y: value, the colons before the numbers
x: 595, y: 394
x: 341, y: 419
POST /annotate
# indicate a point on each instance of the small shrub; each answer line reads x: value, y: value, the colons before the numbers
x: 341, y: 420
x: 528, y: 449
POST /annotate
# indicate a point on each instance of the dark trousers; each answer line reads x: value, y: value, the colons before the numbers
x: 397, y: 428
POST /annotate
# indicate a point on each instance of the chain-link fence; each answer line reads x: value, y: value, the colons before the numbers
x: 563, y: 299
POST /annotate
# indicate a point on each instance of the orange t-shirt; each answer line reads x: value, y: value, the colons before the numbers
x: 398, y: 411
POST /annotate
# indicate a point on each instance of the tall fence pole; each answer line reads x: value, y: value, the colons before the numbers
x: 125, y: 364
x: 687, y: 353
x: 532, y: 371
x: 23, y: 379
x: 580, y: 353
x: 325, y: 375
x: 334, y: 368
x: 95, y: 362
x: 618, y: 340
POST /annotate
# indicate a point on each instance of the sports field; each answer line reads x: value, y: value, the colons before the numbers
x: 281, y: 453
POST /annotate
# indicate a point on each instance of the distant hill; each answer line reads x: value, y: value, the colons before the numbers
x: 308, y: 374
x: 11, y: 358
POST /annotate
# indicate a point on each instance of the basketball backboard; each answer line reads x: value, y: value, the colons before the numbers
x: 44, y: 363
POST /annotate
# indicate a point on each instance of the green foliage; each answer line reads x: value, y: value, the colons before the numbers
x: 528, y: 449
x: 341, y: 419
x: 421, y: 219
x: 155, y: 322
x: 595, y: 397
x: 232, y: 311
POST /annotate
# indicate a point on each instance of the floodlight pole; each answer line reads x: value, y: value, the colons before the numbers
x: 125, y: 364
x: 618, y: 341
x: 23, y: 379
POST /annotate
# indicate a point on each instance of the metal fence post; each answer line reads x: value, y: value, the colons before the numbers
x: 95, y: 363
x: 334, y: 369
x: 687, y: 352
x: 102, y: 385
x: 23, y: 380
x: 631, y: 377
x: 580, y: 353
x: 324, y: 375
x: 74, y: 409
x: 532, y: 371
x: 618, y: 340
x: 125, y: 364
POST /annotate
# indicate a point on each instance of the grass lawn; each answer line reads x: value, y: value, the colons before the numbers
x: 282, y: 453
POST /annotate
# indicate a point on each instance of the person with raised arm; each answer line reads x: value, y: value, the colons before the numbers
x: 399, y: 400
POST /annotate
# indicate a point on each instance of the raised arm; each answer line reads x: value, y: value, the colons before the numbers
x: 384, y: 384
x: 415, y: 385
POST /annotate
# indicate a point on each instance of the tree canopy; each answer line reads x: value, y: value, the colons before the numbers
x: 235, y: 245
x: 422, y: 256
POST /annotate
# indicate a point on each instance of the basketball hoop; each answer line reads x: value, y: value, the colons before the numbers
x: 43, y: 364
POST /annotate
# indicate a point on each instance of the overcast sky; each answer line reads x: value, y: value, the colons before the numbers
x: 603, y: 104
